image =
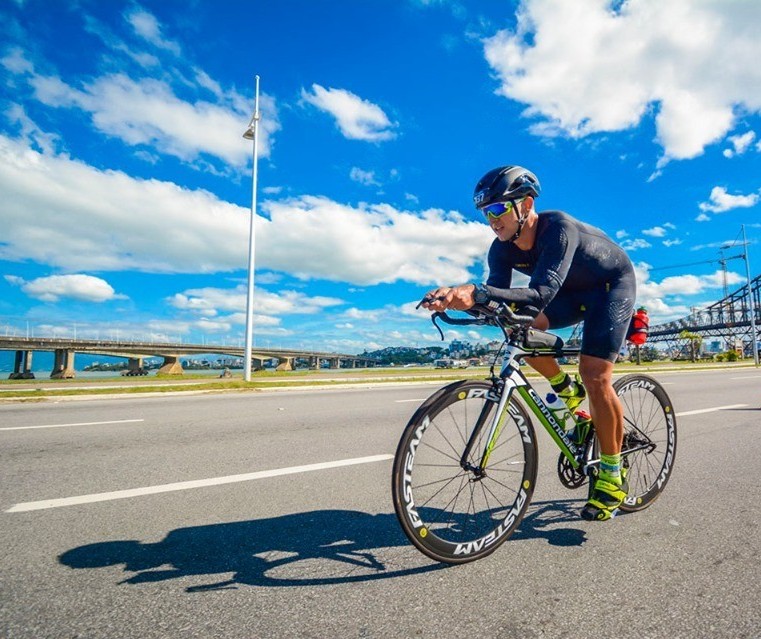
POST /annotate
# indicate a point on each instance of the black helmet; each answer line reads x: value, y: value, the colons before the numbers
x: 505, y: 183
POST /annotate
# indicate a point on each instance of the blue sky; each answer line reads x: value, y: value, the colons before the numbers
x: 126, y: 184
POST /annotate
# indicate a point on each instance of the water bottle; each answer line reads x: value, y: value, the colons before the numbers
x: 560, y: 412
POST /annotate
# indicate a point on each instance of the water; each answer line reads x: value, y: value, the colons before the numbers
x: 45, y: 374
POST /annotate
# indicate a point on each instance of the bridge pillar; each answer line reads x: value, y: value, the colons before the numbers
x: 134, y: 367
x: 171, y: 366
x: 335, y: 362
x: 286, y: 364
x: 257, y: 363
x: 63, y: 368
x: 22, y: 368
x: 314, y: 363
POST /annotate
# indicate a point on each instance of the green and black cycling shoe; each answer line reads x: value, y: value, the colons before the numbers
x: 605, y: 500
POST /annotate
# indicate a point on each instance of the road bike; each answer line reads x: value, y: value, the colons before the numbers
x: 466, y: 465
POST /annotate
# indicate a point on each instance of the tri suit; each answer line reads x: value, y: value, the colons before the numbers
x: 577, y: 273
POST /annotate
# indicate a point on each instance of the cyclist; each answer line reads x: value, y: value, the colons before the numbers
x: 577, y: 273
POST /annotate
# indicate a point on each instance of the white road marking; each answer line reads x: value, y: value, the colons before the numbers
x: 229, y: 479
x: 747, y: 377
x: 116, y: 421
x: 188, y: 485
x: 710, y: 410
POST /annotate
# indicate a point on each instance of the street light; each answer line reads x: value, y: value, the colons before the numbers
x: 251, y: 133
x: 751, y: 308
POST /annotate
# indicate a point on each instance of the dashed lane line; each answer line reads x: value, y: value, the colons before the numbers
x: 710, y: 410
x: 231, y: 479
x: 115, y: 421
x: 189, y: 485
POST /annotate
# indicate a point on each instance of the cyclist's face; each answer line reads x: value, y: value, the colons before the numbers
x: 505, y: 225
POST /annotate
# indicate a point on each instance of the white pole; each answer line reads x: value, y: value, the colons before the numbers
x: 253, y: 130
x: 750, y: 302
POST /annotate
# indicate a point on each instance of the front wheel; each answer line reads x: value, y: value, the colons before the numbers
x: 449, y: 507
x: 649, y: 447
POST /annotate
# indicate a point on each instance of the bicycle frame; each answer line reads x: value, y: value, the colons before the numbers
x: 512, y: 379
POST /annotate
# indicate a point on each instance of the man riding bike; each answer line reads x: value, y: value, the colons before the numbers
x: 577, y: 273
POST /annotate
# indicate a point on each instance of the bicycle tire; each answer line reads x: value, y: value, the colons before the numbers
x: 648, y: 417
x: 447, y: 512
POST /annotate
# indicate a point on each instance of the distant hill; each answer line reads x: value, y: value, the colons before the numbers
x: 399, y: 355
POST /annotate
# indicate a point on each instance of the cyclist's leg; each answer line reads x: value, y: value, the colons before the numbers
x: 604, y: 331
x: 564, y: 310
x: 610, y: 488
x: 604, y: 404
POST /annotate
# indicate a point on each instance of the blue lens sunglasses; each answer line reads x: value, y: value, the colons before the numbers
x: 498, y: 209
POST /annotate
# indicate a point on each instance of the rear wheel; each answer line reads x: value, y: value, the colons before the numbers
x: 448, y: 508
x: 649, y: 447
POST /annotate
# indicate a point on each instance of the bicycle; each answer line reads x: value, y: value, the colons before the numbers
x: 466, y: 465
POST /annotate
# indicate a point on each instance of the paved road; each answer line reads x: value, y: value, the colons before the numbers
x: 316, y: 551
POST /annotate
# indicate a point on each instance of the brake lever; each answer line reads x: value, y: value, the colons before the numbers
x: 427, y: 300
x: 434, y: 316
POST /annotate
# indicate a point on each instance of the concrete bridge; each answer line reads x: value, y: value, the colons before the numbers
x: 64, y: 350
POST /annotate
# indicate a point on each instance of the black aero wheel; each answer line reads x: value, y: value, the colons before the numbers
x: 450, y: 509
x: 649, y: 448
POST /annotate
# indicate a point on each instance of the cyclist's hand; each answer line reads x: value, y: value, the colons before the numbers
x: 458, y: 298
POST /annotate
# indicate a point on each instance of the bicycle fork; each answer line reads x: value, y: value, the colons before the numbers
x: 495, y: 429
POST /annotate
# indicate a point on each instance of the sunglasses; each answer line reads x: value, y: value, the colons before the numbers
x: 498, y: 209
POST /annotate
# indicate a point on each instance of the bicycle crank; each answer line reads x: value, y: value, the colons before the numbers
x: 569, y: 476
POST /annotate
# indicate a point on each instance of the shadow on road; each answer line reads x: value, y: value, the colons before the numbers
x: 303, y: 549
x: 544, y: 517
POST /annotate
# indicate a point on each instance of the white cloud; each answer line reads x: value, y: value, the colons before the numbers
x: 363, y: 177
x: 148, y: 112
x: 703, y: 218
x: 721, y: 201
x: 16, y: 62
x: 656, y: 231
x: 357, y: 119
x: 214, y: 300
x: 621, y: 234
x: 633, y: 245
x: 670, y: 243
x: 112, y: 41
x: 740, y: 144
x: 596, y: 66
x: 124, y: 223
x: 83, y: 288
x: 665, y: 299
x: 148, y: 28
x: 371, y: 244
x: 364, y: 315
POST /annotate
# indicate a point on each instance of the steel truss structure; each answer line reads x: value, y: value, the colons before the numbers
x: 728, y: 319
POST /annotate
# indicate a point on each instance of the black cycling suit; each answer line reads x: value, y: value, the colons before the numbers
x: 577, y: 273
